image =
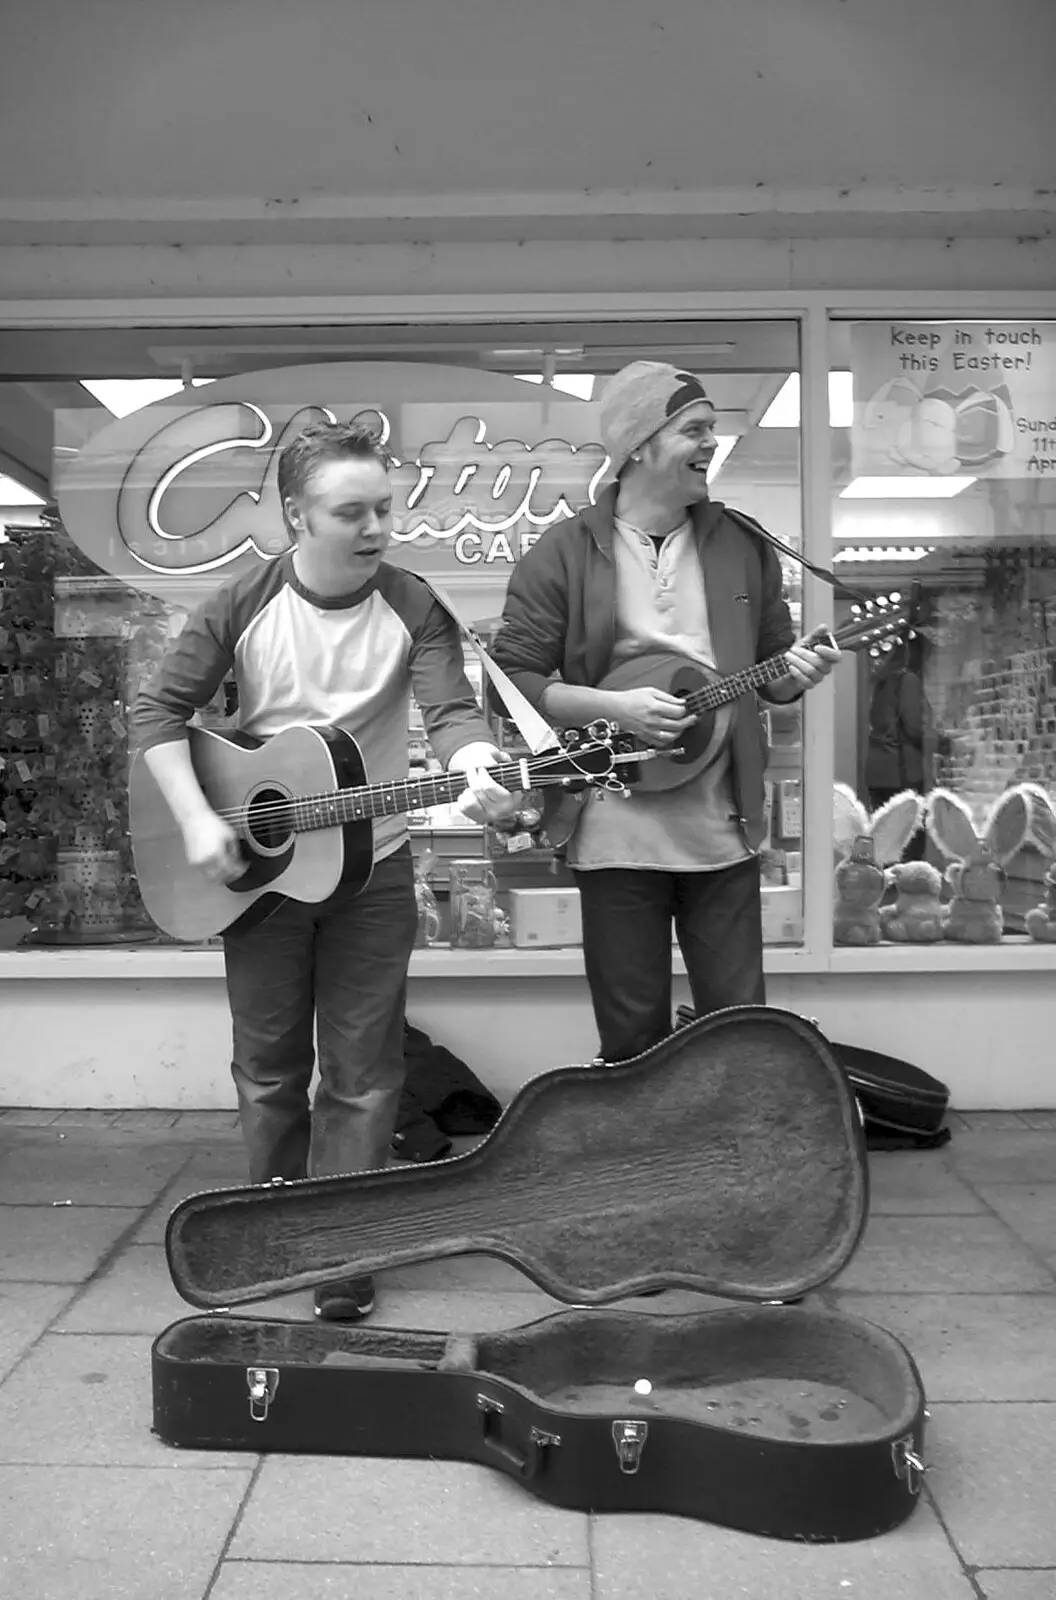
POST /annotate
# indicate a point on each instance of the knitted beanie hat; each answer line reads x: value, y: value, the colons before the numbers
x: 637, y: 403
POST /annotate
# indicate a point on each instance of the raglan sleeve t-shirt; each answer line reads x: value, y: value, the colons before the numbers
x: 301, y: 659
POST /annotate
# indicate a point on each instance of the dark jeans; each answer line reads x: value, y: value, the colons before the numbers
x: 339, y: 967
x: 627, y: 918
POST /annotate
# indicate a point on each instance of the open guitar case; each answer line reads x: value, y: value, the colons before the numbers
x: 729, y: 1160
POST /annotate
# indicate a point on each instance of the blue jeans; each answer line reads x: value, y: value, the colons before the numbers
x: 627, y: 921
x: 340, y: 969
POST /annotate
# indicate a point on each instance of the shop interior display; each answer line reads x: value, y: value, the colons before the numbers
x: 918, y: 915
x: 978, y: 857
x: 865, y: 846
x: 74, y: 648
x: 1041, y: 919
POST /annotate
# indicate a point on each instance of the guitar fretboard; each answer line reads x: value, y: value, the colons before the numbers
x: 313, y: 811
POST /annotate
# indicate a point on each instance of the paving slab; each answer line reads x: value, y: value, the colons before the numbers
x: 942, y: 1255
x: 360, y: 1509
x: 993, y: 1470
x: 26, y: 1309
x: 1037, y: 1583
x: 136, y: 1295
x: 58, y: 1244
x: 85, y: 1400
x: 968, y: 1346
x: 284, y: 1580
x: 917, y: 1183
x: 74, y: 1533
x: 1012, y: 1155
x: 87, y: 1173
x: 671, y: 1558
x: 1029, y: 1210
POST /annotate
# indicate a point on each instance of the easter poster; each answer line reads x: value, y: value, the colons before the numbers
x: 973, y: 399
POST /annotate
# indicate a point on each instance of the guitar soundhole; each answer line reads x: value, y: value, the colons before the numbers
x: 268, y: 821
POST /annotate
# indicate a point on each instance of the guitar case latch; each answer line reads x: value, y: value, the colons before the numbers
x: 262, y: 1383
x: 629, y: 1439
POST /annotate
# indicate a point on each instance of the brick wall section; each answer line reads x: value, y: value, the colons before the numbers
x: 1007, y: 733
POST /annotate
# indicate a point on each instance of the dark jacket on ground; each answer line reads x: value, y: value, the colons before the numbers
x: 560, y: 617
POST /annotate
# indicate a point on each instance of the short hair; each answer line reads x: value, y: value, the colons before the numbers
x: 326, y: 441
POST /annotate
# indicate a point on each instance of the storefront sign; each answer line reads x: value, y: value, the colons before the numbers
x: 972, y: 398
x: 190, y: 492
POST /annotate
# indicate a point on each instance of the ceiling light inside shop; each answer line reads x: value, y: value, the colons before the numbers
x: 580, y: 384
x: 905, y: 488
x: 724, y: 443
x: 783, y: 410
x: 884, y: 552
x: 122, y: 396
x: 13, y: 493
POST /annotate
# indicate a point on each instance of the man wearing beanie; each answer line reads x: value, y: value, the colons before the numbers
x: 656, y: 565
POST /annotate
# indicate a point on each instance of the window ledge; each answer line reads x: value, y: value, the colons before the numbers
x: 159, y: 965
x: 1017, y: 954
x: 166, y: 964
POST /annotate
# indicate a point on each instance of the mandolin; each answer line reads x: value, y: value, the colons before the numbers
x: 303, y: 811
x: 711, y: 698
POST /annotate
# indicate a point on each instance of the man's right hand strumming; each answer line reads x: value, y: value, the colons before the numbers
x: 212, y: 846
x: 655, y: 717
x: 210, y: 843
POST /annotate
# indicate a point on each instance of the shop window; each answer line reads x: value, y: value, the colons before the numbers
x: 152, y: 495
x: 945, y: 493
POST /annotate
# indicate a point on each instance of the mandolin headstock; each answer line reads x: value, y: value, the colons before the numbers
x: 875, y: 624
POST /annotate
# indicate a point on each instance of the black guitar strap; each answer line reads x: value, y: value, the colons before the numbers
x: 779, y: 544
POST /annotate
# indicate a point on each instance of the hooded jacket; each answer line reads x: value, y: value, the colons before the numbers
x: 559, y: 619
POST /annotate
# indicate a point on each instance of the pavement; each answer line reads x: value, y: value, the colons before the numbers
x: 959, y: 1260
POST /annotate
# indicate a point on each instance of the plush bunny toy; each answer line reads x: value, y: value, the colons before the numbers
x: 918, y: 915
x: 864, y: 846
x: 977, y: 872
x: 1041, y: 921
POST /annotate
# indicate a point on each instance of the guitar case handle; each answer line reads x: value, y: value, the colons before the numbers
x: 525, y: 1464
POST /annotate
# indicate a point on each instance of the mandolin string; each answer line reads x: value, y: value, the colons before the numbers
x: 713, y: 696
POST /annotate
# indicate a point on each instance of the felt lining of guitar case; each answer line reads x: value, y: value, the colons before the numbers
x: 728, y: 1159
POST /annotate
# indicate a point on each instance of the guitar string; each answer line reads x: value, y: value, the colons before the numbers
x: 281, y: 809
x: 706, y: 698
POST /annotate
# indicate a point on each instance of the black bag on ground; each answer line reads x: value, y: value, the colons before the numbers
x: 903, y: 1106
x: 441, y: 1097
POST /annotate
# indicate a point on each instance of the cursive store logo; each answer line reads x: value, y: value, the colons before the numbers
x: 198, y: 494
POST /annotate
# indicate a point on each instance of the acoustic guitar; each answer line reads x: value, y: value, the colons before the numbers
x: 303, y: 811
x: 711, y: 698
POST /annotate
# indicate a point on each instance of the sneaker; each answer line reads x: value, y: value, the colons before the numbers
x: 345, y: 1302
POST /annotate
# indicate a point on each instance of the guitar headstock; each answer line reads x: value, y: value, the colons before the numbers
x: 874, y: 624
x: 593, y: 756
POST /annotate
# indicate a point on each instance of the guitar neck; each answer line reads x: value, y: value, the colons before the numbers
x: 389, y: 799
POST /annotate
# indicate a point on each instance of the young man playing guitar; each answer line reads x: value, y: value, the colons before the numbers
x: 656, y: 566
x: 327, y: 633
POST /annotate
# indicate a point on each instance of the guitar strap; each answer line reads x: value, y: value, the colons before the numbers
x: 779, y: 544
x: 536, y: 732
